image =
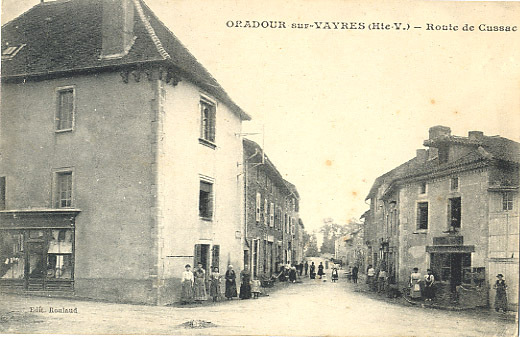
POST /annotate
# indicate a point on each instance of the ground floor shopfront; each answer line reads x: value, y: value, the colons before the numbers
x: 37, y: 250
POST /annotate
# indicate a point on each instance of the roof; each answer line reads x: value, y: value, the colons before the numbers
x: 483, y: 151
x: 65, y: 36
x: 252, y: 149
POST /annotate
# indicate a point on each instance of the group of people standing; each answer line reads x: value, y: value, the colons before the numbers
x: 193, y: 284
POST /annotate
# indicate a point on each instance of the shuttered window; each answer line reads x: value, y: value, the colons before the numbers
x: 422, y: 215
x: 258, y: 206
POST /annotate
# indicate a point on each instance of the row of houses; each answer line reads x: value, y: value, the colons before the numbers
x: 454, y: 208
x: 122, y: 160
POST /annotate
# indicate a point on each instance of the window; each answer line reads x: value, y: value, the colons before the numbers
x: 63, y: 196
x: 208, y: 113
x: 258, y: 205
x: 454, y: 183
x: 271, y: 214
x: 206, y: 200
x: 422, y: 215
x: 422, y: 188
x: 65, y: 110
x: 2, y: 193
x: 454, y: 212
x: 507, y: 201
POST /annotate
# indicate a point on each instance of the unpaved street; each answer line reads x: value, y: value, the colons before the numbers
x: 308, y: 308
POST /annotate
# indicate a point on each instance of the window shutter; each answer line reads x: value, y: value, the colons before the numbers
x: 265, y: 212
x: 271, y: 215
x: 215, y: 256
x: 197, y: 256
x: 257, y: 216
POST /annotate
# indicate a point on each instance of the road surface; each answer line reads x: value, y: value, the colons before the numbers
x: 309, y: 308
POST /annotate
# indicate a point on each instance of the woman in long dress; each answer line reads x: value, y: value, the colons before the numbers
x: 245, y: 286
x: 429, y: 280
x: 320, y: 270
x: 214, y: 289
x: 415, y: 286
x: 231, y: 284
x: 199, y: 286
x: 501, y: 295
x: 187, y: 285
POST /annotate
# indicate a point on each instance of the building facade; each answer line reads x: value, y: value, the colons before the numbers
x: 272, y: 226
x: 119, y: 155
x: 453, y: 208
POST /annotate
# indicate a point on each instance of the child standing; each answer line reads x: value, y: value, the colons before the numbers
x: 255, y: 288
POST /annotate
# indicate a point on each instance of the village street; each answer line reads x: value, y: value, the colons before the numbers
x: 308, y: 308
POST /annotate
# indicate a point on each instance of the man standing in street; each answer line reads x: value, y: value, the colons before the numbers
x: 355, y: 271
x: 306, y: 267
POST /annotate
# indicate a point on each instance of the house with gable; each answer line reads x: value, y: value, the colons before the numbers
x: 119, y: 155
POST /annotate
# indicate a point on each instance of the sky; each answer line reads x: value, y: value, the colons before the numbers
x: 340, y: 107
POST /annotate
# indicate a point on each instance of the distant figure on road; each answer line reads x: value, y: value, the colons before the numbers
x: 292, y: 274
x: 371, y: 275
x: 187, y: 285
x: 320, y: 270
x: 231, y: 284
x: 199, y: 286
x: 381, y: 281
x: 313, y: 271
x: 501, y: 295
x: 245, y: 286
x: 334, y: 276
x: 300, y: 268
x: 214, y: 289
x: 355, y: 271
x: 415, y: 286
x: 429, y: 279
x: 306, y: 267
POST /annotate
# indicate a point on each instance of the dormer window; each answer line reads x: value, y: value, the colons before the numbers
x: 9, y: 52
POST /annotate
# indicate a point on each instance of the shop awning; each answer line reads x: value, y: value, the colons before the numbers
x: 38, y: 218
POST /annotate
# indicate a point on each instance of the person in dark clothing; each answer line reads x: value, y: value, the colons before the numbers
x: 292, y: 275
x: 320, y: 270
x: 306, y: 266
x: 501, y: 295
x: 231, y: 285
x: 313, y: 271
x: 355, y: 271
x: 300, y: 268
x: 245, y: 286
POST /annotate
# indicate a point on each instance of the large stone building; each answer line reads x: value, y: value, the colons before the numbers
x: 453, y: 208
x: 119, y: 155
x: 272, y: 226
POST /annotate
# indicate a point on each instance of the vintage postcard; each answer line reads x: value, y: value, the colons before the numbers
x: 295, y: 168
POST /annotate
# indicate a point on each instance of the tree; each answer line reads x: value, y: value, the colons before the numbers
x: 331, y: 231
x: 311, y: 244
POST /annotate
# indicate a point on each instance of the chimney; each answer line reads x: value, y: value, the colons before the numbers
x: 439, y: 131
x: 475, y: 135
x: 117, y: 28
x: 421, y: 155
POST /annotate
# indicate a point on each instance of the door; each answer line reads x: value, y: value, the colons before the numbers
x: 36, y: 266
x: 456, y: 271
